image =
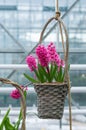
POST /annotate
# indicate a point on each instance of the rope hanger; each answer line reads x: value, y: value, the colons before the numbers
x: 65, y: 50
x: 69, y: 94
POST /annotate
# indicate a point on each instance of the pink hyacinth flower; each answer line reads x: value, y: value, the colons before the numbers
x: 52, y: 53
x: 59, y: 61
x: 54, y: 56
x: 15, y: 94
x: 31, y: 62
x: 42, y: 54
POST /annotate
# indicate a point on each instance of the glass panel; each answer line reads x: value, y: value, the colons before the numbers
x: 1, y: 1
x: 10, y: 2
x: 23, y: 23
x: 78, y: 78
x: 6, y: 100
x: 25, y: 19
x: 24, y: 2
x: 9, y: 58
x: 11, y: 19
x: 79, y: 99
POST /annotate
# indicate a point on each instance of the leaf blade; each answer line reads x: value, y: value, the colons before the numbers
x: 31, y: 79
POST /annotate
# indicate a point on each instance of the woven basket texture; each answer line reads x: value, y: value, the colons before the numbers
x: 50, y: 100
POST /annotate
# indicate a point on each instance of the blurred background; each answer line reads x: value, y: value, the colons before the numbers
x: 21, y: 22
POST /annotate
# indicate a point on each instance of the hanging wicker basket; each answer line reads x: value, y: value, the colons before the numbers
x: 23, y: 102
x: 51, y: 96
x: 51, y: 99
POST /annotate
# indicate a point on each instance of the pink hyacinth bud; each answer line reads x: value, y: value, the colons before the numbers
x: 42, y: 54
x: 31, y: 62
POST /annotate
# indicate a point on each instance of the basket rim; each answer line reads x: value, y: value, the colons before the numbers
x: 53, y: 83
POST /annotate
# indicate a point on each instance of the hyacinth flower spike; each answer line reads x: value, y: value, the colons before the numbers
x: 31, y: 62
x: 47, y: 66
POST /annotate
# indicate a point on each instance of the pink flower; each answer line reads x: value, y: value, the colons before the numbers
x: 42, y: 54
x: 54, y: 56
x: 31, y: 61
x: 16, y: 94
x: 59, y: 61
x: 51, y: 48
x: 52, y: 53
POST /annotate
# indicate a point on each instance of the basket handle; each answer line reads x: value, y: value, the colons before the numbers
x: 66, y: 47
x: 23, y: 102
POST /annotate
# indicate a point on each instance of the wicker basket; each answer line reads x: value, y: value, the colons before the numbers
x: 51, y: 96
x: 23, y: 102
x: 51, y: 99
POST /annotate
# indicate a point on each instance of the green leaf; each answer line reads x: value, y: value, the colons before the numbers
x: 25, y: 94
x: 53, y: 72
x: 60, y: 74
x: 41, y: 73
x: 44, y: 72
x: 18, y: 122
x: 37, y: 74
x: 8, y: 125
x: 63, y: 77
x: 30, y: 78
x: 56, y: 77
x: 2, y: 123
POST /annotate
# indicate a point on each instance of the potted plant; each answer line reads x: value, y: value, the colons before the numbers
x: 51, y: 77
x: 49, y: 74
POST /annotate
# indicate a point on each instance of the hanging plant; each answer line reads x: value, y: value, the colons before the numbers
x: 48, y: 67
